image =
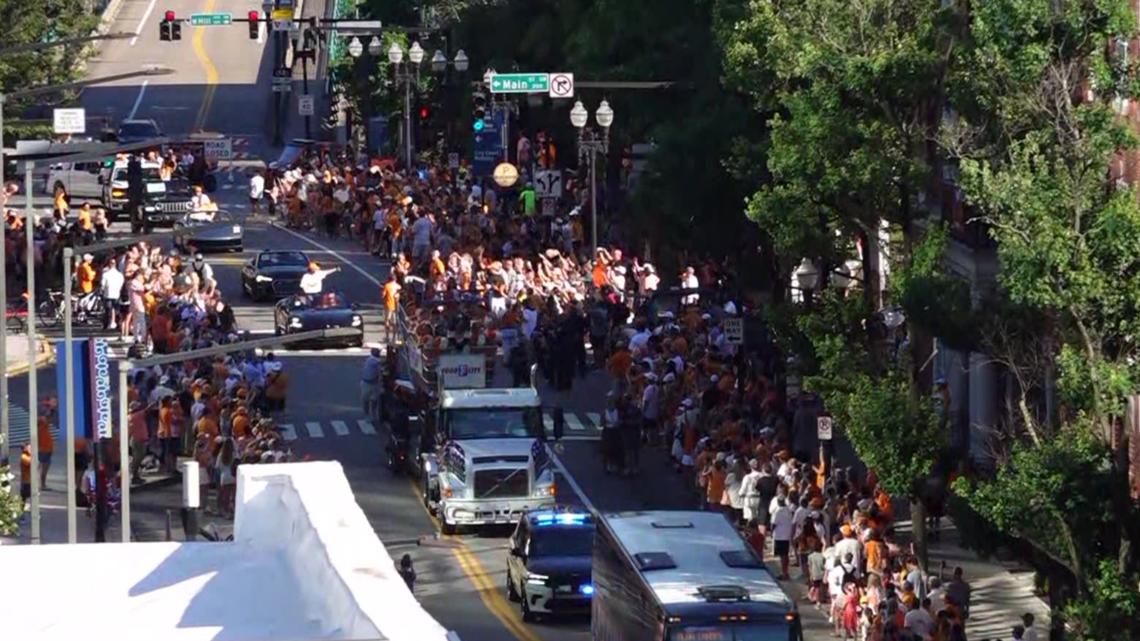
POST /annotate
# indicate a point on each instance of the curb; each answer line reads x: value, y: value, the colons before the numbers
x: 107, y: 18
x: 45, y: 356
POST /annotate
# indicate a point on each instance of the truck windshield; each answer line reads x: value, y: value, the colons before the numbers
x: 494, y: 422
x: 732, y: 632
x: 149, y: 174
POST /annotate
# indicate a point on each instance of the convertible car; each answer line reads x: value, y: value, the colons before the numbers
x: 196, y: 232
x: 274, y: 274
x: 305, y: 313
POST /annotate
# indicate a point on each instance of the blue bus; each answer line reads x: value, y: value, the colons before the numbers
x: 684, y: 576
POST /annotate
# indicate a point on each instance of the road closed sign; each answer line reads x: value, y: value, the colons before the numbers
x: 463, y: 371
x: 69, y: 121
x: 221, y: 149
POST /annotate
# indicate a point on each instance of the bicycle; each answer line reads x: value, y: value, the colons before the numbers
x: 85, y: 309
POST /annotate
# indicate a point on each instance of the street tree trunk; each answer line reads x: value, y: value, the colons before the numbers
x: 918, y: 527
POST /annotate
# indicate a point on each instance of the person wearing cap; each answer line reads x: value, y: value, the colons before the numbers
x: 313, y: 281
x: 750, y: 492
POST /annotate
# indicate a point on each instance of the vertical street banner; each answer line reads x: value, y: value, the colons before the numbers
x: 80, y: 376
x: 488, y: 148
x: 1132, y: 429
x: 99, y: 359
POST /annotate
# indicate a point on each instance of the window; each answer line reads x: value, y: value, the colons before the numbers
x: 281, y: 259
x: 562, y: 541
x: 740, y: 632
x: 494, y: 423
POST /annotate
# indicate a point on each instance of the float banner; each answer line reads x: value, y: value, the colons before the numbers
x: 81, y: 383
x: 99, y: 360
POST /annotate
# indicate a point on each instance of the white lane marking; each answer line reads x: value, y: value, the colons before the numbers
x: 574, y: 423
x: 314, y: 429
x: 332, y: 252
x: 570, y: 480
x: 366, y: 427
x: 340, y: 427
x: 287, y: 431
x: 595, y: 418
x: 138, y: 29
x: 138, y: 99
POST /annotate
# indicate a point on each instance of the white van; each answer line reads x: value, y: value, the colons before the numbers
x: 80, y: 179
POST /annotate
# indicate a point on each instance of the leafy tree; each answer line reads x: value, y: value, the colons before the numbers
x: 11, y: 507
x: 44, y: 21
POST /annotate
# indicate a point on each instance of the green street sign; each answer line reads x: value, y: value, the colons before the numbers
x: 520, y: 83
x: 211, y: 19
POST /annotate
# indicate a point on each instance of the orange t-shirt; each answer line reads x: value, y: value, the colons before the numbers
x: 43, y: 437
x: 391, y: 295
x: 166, y: 422
x: 85, y: 220
x: 25, y: 467
x: 716, y: 485
x: 85, y: 273
x: 620, y: 363
x: 136, y: 423
x: 207, y: 425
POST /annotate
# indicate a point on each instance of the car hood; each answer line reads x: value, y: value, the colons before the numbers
x: 326, y: 315
x: 578, y: 566
x: 280, y: 271
x: 216, y: 230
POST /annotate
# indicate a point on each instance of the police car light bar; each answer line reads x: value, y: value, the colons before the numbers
x: 561, y: 519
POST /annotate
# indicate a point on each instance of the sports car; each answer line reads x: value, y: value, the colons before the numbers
x: 274, y: 274
x: 305, y: 313
x: 194, y: 232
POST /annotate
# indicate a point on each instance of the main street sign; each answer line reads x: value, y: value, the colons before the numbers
x: 211, y: 19
x: 520, y: 83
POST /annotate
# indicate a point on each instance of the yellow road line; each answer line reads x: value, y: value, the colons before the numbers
x: 492, y: 596
x: 208, y: 65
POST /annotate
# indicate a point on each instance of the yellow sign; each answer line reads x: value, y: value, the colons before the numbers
x: 505, y: 175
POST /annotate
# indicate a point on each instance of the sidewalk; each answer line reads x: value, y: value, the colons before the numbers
x: 17, y: 354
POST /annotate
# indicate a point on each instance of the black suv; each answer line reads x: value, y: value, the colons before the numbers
x: 548, y: 562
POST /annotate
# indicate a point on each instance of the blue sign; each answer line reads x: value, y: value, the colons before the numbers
x: 489, y: 149
x: 81, y: 383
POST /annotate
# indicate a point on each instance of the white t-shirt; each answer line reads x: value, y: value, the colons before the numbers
x: 691, y: 282
x: 782, y: 524
x: 256, y: 187
x: 835, y: 580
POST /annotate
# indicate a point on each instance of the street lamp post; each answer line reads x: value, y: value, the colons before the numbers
x: 593, y: 141
x: 409, y: 74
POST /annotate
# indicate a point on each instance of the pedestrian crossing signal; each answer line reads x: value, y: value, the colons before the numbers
x: 479, y: 125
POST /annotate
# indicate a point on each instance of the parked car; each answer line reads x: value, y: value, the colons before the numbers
x: 327, y: 310
x: 195, y: 232
x: 274, y: 274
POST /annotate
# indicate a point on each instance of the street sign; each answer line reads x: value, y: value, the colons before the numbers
x: 221, y: 149
x: 561, y: 85
x: 734, y: 330
x: 211, y: 19
x: 282, y: 87
x: 453, y: 160
x: 488, y: 146
x: 548, y: 183
x: 506, y: 175
x: 283, y: 20
x: 282, y: 72
x: 305, y: 105
x: 520, y: 83
x: 69, y: 121
x: 823, y: 427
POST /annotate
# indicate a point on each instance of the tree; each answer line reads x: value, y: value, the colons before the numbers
x: 11, y: 506
x: 28, y: 22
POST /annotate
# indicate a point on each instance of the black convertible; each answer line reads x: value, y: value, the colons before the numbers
x: 274, y: 274
x: 327, y: 310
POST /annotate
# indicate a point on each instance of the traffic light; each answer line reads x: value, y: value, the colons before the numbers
x: 169, y: 28
x: 254, y: 18
x: 480, y: 99
x: 425, y: 113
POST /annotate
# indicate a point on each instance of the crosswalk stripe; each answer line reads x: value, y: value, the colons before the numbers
x: 573, y: 423
x: 287, y: 431
x: 595, y: 419
x: 314, y: 429
x: 366, y: 427
x: 340, y: 428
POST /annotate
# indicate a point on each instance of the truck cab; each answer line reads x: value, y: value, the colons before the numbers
x: 490, y: 465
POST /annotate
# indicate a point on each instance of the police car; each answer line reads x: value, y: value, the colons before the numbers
x: 548, y: 562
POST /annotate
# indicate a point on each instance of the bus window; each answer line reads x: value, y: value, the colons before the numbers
x: 731, y: 632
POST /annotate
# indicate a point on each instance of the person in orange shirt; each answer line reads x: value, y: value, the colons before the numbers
x: 167, y: 437
x: 391, y: 295
x: 139, y: 436
x: 208, y: 424
x: 84, y: 220
x: 715, y: 489
x: 46, y: 445
x: 26, y: 473
x: 85, y: 275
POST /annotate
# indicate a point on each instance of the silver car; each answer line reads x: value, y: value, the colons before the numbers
x: 197, y: 232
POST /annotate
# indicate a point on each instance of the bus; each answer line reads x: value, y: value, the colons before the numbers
x: 684, y: 576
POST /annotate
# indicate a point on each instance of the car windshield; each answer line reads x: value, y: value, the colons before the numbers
x: 329, y: 300
x: 150, y: 174
x: 219, y: 217
x: 138, y: 129
x: 500, y: 422
x: 734, y: 632
x: 282, y: 259
x: 555, y: 540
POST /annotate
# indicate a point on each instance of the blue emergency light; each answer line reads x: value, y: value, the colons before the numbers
x: 561, y: 519
x: 586, y: 589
